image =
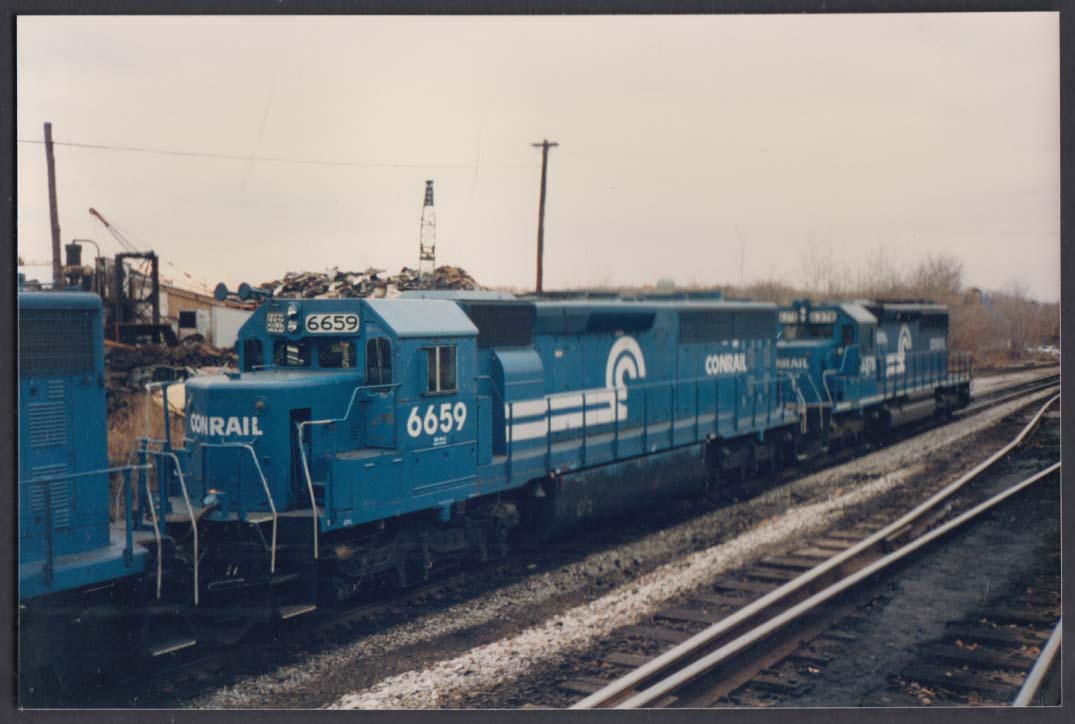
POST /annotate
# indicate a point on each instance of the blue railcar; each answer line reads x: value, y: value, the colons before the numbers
x: 861, y: 366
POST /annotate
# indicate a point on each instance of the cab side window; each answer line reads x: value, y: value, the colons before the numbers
x: 378, y: 361
x: 440, y: 369
x: 846, y: 335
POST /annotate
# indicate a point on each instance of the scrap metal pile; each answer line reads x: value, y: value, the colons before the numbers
x: 334, y: 283
x: 131, y: 367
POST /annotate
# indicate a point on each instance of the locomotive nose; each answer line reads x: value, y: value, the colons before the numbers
x: 242, y: 435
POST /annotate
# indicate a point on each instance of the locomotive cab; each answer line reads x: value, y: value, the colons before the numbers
x: 326, y: 386
x: 344, y: 412
x: 821, y: 341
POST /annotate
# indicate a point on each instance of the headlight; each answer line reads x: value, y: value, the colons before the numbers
x: 293, y: 310
x: 292, y: 325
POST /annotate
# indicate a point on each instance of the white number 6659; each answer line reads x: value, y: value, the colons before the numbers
x: 433, y: 420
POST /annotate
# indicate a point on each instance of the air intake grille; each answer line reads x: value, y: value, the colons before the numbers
x: 716, y: 325
x: 61, y: 495
x: 56, y: 342
x: 755, y: 323
x: 705, y: 325
x: 502, y: 325
x: 47, y: 424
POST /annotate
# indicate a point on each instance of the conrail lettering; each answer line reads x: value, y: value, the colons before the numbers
x: 792, y: 363
x: 245, y: 425
x: 722, y: 364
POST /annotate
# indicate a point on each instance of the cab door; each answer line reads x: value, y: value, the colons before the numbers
x: 379, y: 400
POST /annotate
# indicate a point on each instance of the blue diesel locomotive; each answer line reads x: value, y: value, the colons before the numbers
x: 867, y: 366
x: 74, y: 565
x: 370, y: 440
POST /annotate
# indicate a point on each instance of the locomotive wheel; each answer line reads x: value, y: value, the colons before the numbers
x: 778, y: 458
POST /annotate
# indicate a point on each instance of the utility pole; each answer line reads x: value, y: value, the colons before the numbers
x: 54, y: 214
x: 545, y: 145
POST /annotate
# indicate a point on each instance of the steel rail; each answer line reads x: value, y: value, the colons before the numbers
x: 701, y: 666
x: 1000, y: 395
x: 1036, y: 678
x: 697, y: 644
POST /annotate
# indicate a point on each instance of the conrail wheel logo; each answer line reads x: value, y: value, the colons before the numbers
x: 625, y: 361
x: 897, y: 361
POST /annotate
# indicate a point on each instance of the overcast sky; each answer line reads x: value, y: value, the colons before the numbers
x: 683, y: 140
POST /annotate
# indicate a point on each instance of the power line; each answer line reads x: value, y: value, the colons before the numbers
x: 267, y: 159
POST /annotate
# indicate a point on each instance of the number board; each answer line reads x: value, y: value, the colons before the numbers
x: 823, y: 317
x: 274, y: 322
x: 331, y: 323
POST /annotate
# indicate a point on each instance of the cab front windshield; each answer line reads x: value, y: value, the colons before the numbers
x: 331, y: 353
x: 796, y: 332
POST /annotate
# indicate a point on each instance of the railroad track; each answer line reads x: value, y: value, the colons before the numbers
x: 1008, y: 392
x: 182, y: 676
x: 765, y: 615
x: 984, y: 658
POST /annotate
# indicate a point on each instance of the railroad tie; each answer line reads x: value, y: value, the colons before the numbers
x: 716, y: 599
x: 795, y: 563
x: 748, y: 586
x: 690, y: 614
x: 631, y: 661
x: 776, y: 575
x: 654, y: 633
x: 960, y: 682
x: 584, y: 685
x: 1019, y: 616
x: 978, y: 658
x: 1012, y: 638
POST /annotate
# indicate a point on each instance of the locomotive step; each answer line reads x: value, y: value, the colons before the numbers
x: 280, y: 579
x: 296, y: 609
x: 171, y: 645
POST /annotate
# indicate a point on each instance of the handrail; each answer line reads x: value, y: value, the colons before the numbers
x: 802, y: 407
x: 101, y: 471
x: 190, y: 512
x: 46, y: 483
x: 264, y: 483
x: 157, y: 534
x: 825, y: 374
x: 306, y: 464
